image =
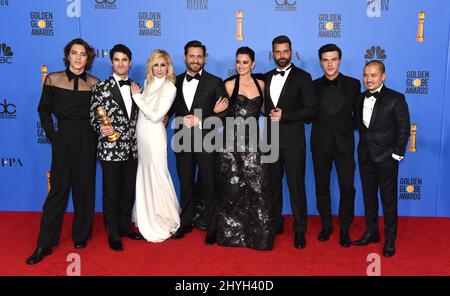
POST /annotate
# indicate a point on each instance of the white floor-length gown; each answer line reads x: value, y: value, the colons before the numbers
x: 156, y: 210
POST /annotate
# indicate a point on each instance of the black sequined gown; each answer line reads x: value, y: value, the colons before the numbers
x: 244, y: 208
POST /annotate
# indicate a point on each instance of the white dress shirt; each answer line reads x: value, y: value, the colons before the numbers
x: 369, y: 104
x: 189, y: 89
x: 277, y: 83
x: 125, y: 91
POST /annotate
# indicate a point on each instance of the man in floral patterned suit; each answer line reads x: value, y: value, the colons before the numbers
x: 118, y: 158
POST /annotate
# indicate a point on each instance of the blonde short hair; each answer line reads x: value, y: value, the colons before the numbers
x: 154, y: 57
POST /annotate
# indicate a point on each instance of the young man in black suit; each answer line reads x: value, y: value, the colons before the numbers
x: 197, y: 91
x: 289, y: 101
x: 332, y: 140
x: 118, y: 158
x: 384, y: 128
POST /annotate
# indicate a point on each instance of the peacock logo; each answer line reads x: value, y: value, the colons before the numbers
x: 375, y: 53
x: 6, y: 54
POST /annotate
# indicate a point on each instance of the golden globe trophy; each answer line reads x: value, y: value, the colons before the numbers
x: 412, y: 139
x: 44, y: 73
x: 419, y: 37
x: 101, y: 112
x: 239, y: 15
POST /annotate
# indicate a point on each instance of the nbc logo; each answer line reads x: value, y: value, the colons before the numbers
x: 6, y: 54
x: 375, y: 53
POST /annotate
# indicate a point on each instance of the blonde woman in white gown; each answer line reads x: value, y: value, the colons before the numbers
x: 156, y: 210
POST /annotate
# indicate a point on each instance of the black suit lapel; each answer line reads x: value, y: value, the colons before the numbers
x: 374, y: 113
x: 200, y: 86
x: 320, y: 89
x: 342, y: 95
x: 285, y: 86
x: 116, y: 95
x: 376, y: 108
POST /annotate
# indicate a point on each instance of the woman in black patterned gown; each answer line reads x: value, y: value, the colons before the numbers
x: 244, y: 208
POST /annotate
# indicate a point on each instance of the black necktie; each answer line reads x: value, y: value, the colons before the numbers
x: 282, y: 72
x: 190, y: 77
x: 125, y: 82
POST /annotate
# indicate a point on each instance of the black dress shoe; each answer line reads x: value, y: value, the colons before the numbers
x: 389, y: 248
x: 324, y: 235
x: 210, y: 239
x: 367, y: 238
x: 345, y: 240
x: 38, y: 255
x: 300, y: 241
x: 133, y: 235
x: 116, y: 245
x: 80, y: 245
x: 181, y: 232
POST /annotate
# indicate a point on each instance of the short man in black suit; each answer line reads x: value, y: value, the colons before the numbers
x: 289, y: 101
x: 197, y: 91
x: 384, y: 127
x: 118, y: 158
x: 332, y: 140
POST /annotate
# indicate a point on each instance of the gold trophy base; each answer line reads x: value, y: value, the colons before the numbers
x: 113, y: 137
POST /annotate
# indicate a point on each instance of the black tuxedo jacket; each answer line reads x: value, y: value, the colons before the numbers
x: 337, y: 125
x: 209, y: 89
x: 298, y: 104
x: 107, y: 94
x: 389, y: 127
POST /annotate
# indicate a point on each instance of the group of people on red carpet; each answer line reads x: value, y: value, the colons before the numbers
x: 242, y: 193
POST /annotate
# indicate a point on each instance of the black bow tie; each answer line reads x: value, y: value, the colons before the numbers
x: 71, y: 75
x: 331, y: 82
x: 190, y: 77
x: 282, y: 72
x: 376, y: 94
x: 125, y: 82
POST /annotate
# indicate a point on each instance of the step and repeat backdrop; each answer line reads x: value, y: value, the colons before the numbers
x: 410, y: 36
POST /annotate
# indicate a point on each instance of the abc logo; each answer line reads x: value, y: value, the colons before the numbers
x: 284, y: 3
x: 5, y: 54
x: 105, y: 1
x: 7, y: 109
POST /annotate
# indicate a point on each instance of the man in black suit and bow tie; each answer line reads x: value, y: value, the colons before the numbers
x: 118, y: 158
x: 384, y: 128
x: 289, y: 101
x: 197, y: 91
x: 332, y: 140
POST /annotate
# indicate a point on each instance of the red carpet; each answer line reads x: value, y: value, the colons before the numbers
x: 422, y: 249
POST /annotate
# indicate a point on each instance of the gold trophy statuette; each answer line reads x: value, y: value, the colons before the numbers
x: 44, y: 73
x: 412, y: 139
x: 101, y: 112
x: 419, y: 37
x: 239, y: 15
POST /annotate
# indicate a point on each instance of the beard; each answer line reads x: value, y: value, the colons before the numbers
x: 194, y: 67
x: 282, y: 62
